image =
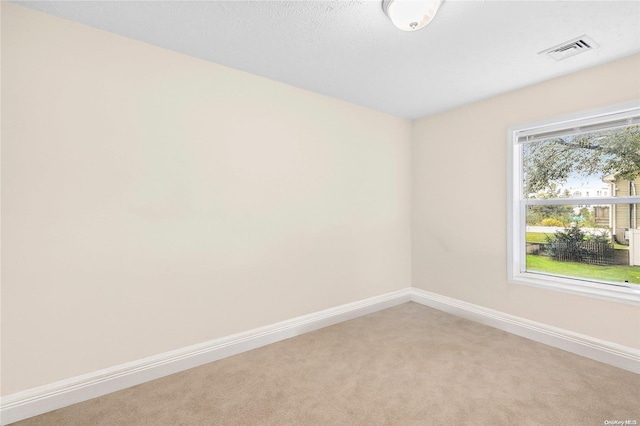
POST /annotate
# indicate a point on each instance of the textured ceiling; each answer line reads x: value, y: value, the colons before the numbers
x: 350, y: 50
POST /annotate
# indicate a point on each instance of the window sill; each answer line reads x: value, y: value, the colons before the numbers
x: 583, y: 288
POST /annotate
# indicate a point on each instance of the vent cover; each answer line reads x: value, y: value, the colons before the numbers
x: 570, y: 48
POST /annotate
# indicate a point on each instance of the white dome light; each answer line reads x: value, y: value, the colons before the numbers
x: 411, y: 15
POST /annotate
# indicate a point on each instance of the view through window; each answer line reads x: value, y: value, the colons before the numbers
x: 577, y: 197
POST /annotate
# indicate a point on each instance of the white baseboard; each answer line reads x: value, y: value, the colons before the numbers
x: 22, y: 405
x: 600, y: 350
x: 60, y: 394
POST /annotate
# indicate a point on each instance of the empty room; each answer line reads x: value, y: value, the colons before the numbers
x: 354, y: 212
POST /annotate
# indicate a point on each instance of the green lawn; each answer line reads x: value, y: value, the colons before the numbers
x: 615, y: 273
x: 537, y: 237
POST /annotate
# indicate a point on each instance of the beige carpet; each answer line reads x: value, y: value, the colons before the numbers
x: 408, y: 365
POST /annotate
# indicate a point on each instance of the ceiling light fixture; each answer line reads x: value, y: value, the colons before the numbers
x: 411, y: 15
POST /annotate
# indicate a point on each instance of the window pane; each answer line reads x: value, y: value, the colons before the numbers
x: 595, y: 242
x: 585, y: 165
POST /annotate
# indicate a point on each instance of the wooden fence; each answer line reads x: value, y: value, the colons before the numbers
x: 591, y: 252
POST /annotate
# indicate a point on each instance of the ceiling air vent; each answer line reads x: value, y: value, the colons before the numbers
x: 570, y: 48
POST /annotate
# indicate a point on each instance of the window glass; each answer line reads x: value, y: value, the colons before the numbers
x: 576, y: 241
x: 576, y: 165
x: 575, y: 215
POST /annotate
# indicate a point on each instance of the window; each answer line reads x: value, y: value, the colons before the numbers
x: 558, y: 237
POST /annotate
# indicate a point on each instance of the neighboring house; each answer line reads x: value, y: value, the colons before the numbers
x: 624, y: 217
x: 601, y: 214
x: 600, y: 191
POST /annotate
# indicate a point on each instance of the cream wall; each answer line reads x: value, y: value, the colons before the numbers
x: 152, y: 201
x: 459, y: 202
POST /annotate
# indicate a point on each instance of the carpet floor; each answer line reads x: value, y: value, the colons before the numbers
x: 407, y: 365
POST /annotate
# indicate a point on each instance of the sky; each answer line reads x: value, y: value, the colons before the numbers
x: 584, y: 182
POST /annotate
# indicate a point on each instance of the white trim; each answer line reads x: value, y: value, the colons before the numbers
x: 625, y: 109
x: 516, y: 232
x: 614, y: 292
x: 589, y: 347
x: 22, y: 405
x: 581, y: 201
x: 60, y: 394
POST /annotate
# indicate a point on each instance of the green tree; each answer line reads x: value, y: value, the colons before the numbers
x: 586, y: 218
x: 615, y: 151
x: 537, y: 214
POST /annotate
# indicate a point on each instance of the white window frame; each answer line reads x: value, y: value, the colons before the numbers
x: 516, y: 204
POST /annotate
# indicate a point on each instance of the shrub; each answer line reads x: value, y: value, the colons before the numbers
x: 565, y: 245
x: 600, y: 237
x: 573, y: 245
x: 549, y: 221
